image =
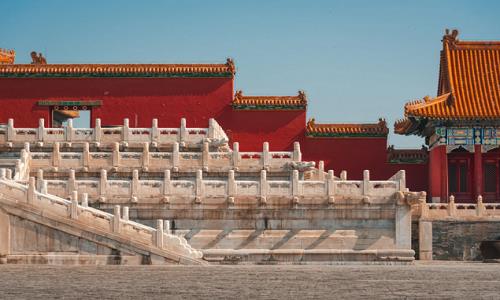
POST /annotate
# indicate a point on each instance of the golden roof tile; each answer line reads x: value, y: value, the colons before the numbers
x: 118, y: 70
x: 269, y: 102
x: 330, y: 130
x: 402, y: 126
x: 469, y: 82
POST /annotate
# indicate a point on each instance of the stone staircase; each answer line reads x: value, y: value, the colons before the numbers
x: 42, y: 228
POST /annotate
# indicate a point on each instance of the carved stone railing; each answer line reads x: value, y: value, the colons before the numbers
x: 125, y: 135
x: 114, y: 224
x: 230, y: 191
x: 452, y: 210
x: 159, y: 161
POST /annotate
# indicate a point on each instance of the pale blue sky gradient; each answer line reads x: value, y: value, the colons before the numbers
x: 356, y: 60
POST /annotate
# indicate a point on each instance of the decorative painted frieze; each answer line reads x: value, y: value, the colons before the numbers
x: 466, y: 137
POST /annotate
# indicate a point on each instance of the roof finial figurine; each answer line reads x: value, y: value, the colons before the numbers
x: 302, y: 96
x: 450, y: 37
x: 37, y: 58
x: 238, y: 95
x: 7, y: 56
x: 230, y: 64
x: 310, y: 123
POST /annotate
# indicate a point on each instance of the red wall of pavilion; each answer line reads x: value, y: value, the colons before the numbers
x: 357, y: 154
x: 252, y: 128
x: 139, y: 99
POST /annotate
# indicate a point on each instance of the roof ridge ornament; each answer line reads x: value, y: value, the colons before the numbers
x: 302, y: 96
x: 37, y: 58
x: 238, y: 95
x: 7, y: 56
x: 450, y: 37
x: 230, y: 65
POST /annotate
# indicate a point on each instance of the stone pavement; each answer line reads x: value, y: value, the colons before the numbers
x: 436, y: 280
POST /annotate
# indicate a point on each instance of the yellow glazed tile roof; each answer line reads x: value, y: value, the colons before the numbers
x: 372, y: 129
x: 24, y: 70
x: 469, y: 82
x: 299, y: 101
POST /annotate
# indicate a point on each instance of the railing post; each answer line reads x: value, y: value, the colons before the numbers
x: 145, y: 156
x: 39, y: 179
x: 205, y: 156
x: 116, y: 155
x: 321, y: 170
x: 73, y: 209
x: 69, y: 130
x: 199, y: 187
x: 85, y: 200
x: 45, y: 188
x: 97, y: 131
x: 330, y: 187
x: 366, y: 186
x: 41, y: 129
x: 166, y: 186
x: 263, y: 187
x: 182, y: 132
x: 125, y: 131
x: 3, y: 173
x: 175, y: 157
x: 236, y: 155
x: 211, y: 128
x: 480, y: 209
x: 297, y: 155
x: 452, y: 209
x: 125, y: 215
x: 134, y: 186
x: 8, y: 174
x: 71, y: 185
x: 343, y: 175
x: 116, y: 219
x: 154, y: 132
x: 56, y: 155
x: 265, y: 156
x: 103, y: 184
x: 31, y: 196
x: 295, y: 187
x: 231, y: 187
x: 159, y: 234
x: 86, y: 157
x: 402, y: 180
x: 11, y: 132
x: 166, y: 226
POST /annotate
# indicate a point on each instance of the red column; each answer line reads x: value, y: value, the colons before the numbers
x: 443, y: 156
x: 438, y: 174
x: 477, y: 187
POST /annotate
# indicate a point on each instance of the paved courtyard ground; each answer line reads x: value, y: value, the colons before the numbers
x: 429, y: 281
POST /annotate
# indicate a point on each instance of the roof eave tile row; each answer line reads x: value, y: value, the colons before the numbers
x: 118, y: 70
x: 242, y: 102
x: 347, y: 130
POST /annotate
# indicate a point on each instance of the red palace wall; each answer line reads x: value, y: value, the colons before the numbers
x: 252, y: 128
x: 197, y: 100
x: 139, y: 99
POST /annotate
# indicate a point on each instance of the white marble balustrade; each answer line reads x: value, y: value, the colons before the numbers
x: 189, y: 137
x: 159, y: 161
x: 229, y: 190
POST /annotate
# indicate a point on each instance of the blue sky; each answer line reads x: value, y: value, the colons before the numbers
x: 356, y: 60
